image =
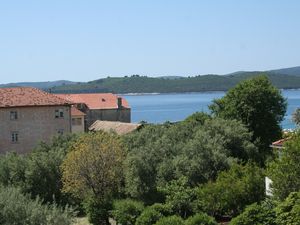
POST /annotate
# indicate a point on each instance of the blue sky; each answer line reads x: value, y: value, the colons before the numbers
x: 86, y: 40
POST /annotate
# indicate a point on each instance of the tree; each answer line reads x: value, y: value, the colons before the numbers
x: 201, y: 219
x: 233, y: 191
x: 170, y: 220
x: 93, y: 169
x: 126, y: 211
x: 256, y: 214
x: 288, y: 211
x: 159, y: 154
x: 259, y: 105
x: 17, y: 208
x: 284, y: 171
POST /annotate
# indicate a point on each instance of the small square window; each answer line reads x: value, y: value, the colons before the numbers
x: 14, y: 137
x: 60, y: 131
x: 59, y: 113
x: 13, y: 115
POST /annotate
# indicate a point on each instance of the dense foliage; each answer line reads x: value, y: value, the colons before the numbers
x: 232, y: 191
x: 259, y: 105
x: 38, y: 173
x: 16, y: 208
x: 126, y: 211
x: 197, y: 150
x: 284, y: 171
x: 93, y: 170
x: 144, y: 84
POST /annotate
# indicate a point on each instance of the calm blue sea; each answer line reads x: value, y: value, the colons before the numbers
x: 158, y: 108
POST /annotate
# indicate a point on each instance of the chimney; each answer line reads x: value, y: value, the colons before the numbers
x: 119, y: 102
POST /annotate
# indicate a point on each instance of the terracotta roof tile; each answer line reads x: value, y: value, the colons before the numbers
x: 27, y: 96
x: 96, y: 100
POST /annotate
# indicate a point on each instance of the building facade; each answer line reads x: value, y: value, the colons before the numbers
x: 100, y: 106
x: 29, y: 116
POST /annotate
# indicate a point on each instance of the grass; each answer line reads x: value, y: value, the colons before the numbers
x: 81, y: 221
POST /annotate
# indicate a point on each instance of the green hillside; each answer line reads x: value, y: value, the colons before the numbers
x: 143, y: 84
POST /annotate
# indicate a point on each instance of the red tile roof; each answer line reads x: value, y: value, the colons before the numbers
x: 280, y: 143
x: 27, y: 96
x: 76, y: 112
x: 95, y: 100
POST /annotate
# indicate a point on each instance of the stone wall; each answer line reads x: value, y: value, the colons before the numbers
x: 33, y: 125
x: 122, y: 115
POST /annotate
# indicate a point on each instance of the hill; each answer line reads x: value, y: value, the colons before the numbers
x: 287, y: 78
x: 293, y: 71
x: 40, y: 85
x: 143, y: 84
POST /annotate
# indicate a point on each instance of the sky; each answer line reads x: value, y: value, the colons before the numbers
x: 83, y: 40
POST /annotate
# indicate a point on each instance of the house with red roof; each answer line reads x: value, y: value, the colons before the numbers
x: 100, y: 106
x: 29, y: 116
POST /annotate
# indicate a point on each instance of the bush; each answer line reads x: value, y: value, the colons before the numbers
x: 152, y: 214
x: 288, y: 212
x: 233, y: 191
x: 97, y: 210
x: 126, y: 211
x: 201, y: 219
x: 16, y: 208
x: 170, y: 220
x: 256, y: 214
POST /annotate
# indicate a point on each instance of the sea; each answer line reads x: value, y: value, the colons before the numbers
x: 159, y: 108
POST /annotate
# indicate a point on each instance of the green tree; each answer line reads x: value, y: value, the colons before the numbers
x: 126, y: 211
x: 284, y: 171
x: 201, y: 219
x: 179, y: 197
x: 232, y: 191
x: 159, y: 154
x: 17, y: 208
x: 256, y: 214
x: 170, y: 220
x: 152, y: 214
x: 93, y: 168
x: 288, y: 211
x: 259, y: 105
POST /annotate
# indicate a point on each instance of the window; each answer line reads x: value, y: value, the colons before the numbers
x: 14, y: 137
x: 13, y: 115
x: 76, y: 121
x: 60, y: 131
x: 59, y: 113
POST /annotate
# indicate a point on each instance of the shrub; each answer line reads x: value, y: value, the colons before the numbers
x: 126, y: 211
x: 233, y: 191
x: 170, y: 220
x: 16, y: 208
x: 97, y: 210
x: 288, y: 211
x: 152, y: 214
x: 256, y: 214
x: 201, y: 219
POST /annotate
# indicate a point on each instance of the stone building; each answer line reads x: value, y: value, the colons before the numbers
x: 29, y: 116
x: 100, y: 106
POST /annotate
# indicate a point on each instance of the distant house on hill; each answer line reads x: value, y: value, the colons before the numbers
x: 117, y: 127
x: 100, y: 106
x: 28, y: 116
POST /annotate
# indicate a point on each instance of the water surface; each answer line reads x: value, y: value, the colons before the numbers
x: 158, y: 108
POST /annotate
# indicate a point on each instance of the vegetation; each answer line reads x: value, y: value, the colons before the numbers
x: 144, y: 84
x: 16, y: 208
x: 197, y: 171
x: 93, y: 170
x: 232, y: 191
x: 258, y: 105
x: 284, y: 171
x: 127, y: 211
